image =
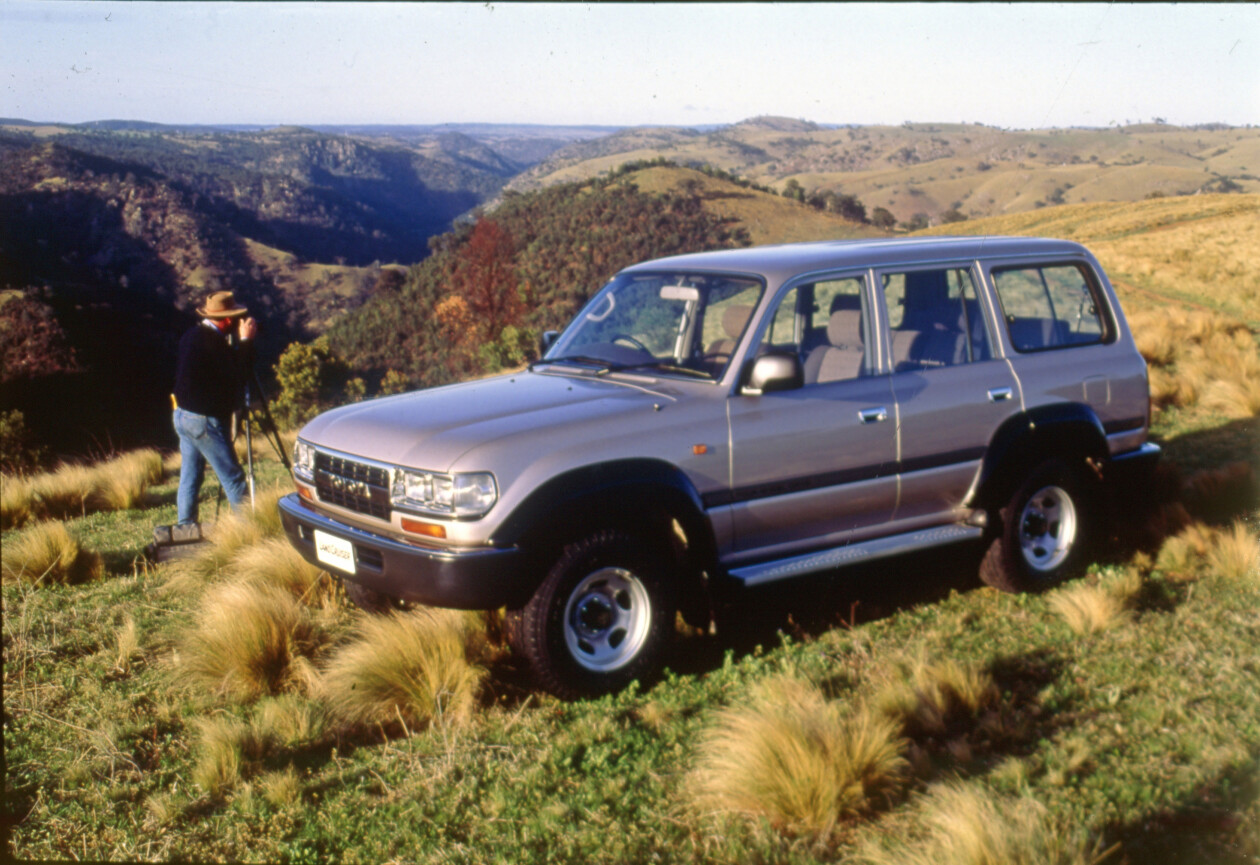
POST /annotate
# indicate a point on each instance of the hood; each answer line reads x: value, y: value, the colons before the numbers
x: 431, y: 429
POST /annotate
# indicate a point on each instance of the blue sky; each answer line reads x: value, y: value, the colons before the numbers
x: 1013, y: 65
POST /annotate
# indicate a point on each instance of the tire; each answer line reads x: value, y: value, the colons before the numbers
x: 603, y: 617
x: 1044, y: 530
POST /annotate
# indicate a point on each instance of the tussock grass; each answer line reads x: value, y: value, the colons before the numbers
x: 1199, y: 359
x: 281, y: 788
x: 47, y: 553
x: 1235, y: 554
x: 927, y: 698
x: 75, y: 489
x: 291, y: 720
x: 127, y: 645
x: 413, y: 668
x: 230, y: 537
x: 224, y: 746
x: 16, y: 501
x: 250, y: 640
x: 1183, y: 554
x: 274, y: 561
x: 967, y: 825
x: 1093, y: 608
x: 791, y: 756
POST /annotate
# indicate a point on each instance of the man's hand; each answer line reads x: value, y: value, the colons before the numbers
x: 248, y: 328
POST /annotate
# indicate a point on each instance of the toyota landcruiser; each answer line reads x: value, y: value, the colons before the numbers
x: 731, y: 419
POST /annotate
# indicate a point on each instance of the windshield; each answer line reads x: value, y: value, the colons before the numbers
x: 683, y: 324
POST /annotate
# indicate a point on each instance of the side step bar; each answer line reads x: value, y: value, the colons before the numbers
x: 865, y: 551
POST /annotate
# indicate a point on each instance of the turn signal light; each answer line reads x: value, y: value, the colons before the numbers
x: 433, y: 530
x: 306, y: 493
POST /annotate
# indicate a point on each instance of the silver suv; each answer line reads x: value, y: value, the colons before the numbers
x: 724, y: 420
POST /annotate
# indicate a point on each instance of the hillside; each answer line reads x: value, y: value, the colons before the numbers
x: 118, y: 257
x: 931, y: 168
x: 1198, y: 251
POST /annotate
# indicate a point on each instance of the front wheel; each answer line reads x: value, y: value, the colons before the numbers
x: 602, y: 617
x: 1044, y: 531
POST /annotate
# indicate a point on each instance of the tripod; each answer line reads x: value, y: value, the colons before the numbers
x: 266, y: 426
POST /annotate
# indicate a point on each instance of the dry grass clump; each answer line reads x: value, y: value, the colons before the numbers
x: 291, y: 720
x: 967, y: 825
x: 282, y: 787
x: 47, y: 553
x: 74, y: 489
x: 224, y: 746
x: 16, y: 501
x: 928, y: 698
x: 791, y: 756
x: 1185, y: 553
x: 413, y: 668
x: 229, y: 538
x: 251, y: 639
x: 1199, y: 358
x: 1092, y: 608
x: 274, y: 561
x: 1235, y: 554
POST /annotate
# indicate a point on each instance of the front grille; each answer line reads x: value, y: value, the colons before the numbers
x: 352, y: 485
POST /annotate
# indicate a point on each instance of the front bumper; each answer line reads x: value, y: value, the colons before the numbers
x: 483, y: 578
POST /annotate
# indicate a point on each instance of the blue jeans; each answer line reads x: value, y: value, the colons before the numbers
x: 204, y: 440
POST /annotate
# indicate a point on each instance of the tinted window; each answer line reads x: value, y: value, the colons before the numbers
x: 934, y: 319
x: 1048, y: 307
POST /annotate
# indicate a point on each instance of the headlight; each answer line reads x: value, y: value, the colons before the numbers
x: 469, y: 494
x: 304, y: 460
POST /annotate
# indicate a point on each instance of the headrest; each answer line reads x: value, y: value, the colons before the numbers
x: 734, y: 317
x: 844, y: 328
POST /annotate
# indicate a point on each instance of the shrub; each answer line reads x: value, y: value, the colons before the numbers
x: 969, y: 826
x: 48, y: 553
x: 413, y: 668
x: 251, y: 640
x: 791, y: 756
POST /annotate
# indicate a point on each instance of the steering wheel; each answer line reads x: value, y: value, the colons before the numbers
x: 634, y: 342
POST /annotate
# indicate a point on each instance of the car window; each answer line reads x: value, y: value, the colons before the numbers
x: 824, y: 323
x: 934, y: 319
x: 1048, y: 307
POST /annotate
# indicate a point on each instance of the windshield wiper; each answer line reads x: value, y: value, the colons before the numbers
x: 584, y: 359
x: 661, y: 365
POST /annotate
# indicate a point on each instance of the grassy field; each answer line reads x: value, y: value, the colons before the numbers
x: 234, y: 707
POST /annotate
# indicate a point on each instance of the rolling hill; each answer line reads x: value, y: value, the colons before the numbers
x: 931, y: 168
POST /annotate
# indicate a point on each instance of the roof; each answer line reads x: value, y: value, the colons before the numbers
x: 778, y: 263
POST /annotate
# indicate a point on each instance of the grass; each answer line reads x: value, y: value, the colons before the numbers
x: 248, y: 713
x: 409, y: 668
x: 969, y: 825
x: 250, y: 640
x: 790, y: 755
x: 75, y: 489
x: 48, y: 553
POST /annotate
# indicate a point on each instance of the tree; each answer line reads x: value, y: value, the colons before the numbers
x: 883, y: 218
x: 792, y: 189
x: 953, y: 215
x: 918, y: 222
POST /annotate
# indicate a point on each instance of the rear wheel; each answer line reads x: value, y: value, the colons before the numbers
x: 1044, y: 532
x: 602, y: 617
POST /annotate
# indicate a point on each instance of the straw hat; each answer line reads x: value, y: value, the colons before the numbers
x: 221, y: 304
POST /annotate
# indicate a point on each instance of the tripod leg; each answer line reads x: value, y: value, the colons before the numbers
x: 249, y: 450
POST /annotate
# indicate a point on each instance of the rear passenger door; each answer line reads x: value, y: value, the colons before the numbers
x: 951, y: 392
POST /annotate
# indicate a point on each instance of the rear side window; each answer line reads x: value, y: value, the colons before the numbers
x: 1052, y: 306
x: 934, y: 319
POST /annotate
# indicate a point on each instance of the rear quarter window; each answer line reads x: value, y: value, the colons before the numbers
x: 1050, y: 306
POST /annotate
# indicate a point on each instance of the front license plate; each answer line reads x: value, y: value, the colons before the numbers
x: 335, y: 552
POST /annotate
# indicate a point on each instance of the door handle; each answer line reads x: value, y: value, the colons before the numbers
x: 997, y: 394
x: 873, y: 415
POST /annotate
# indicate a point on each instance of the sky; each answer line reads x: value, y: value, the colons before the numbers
x: 1011, y: 65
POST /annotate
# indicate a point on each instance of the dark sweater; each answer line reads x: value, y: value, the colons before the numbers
x: 210, y: 374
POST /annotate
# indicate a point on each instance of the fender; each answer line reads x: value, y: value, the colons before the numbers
x: 609, y: 492
x: 1026, y: 438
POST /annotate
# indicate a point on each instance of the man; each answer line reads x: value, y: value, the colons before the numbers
x: 209, y: 384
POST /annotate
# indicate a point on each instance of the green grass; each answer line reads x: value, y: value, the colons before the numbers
x: 1143, y: 732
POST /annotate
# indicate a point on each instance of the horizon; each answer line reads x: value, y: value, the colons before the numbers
x: 1047, y: 66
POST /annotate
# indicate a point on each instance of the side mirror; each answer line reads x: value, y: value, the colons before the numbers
x: 547, y: 340
x: 774, y: 372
